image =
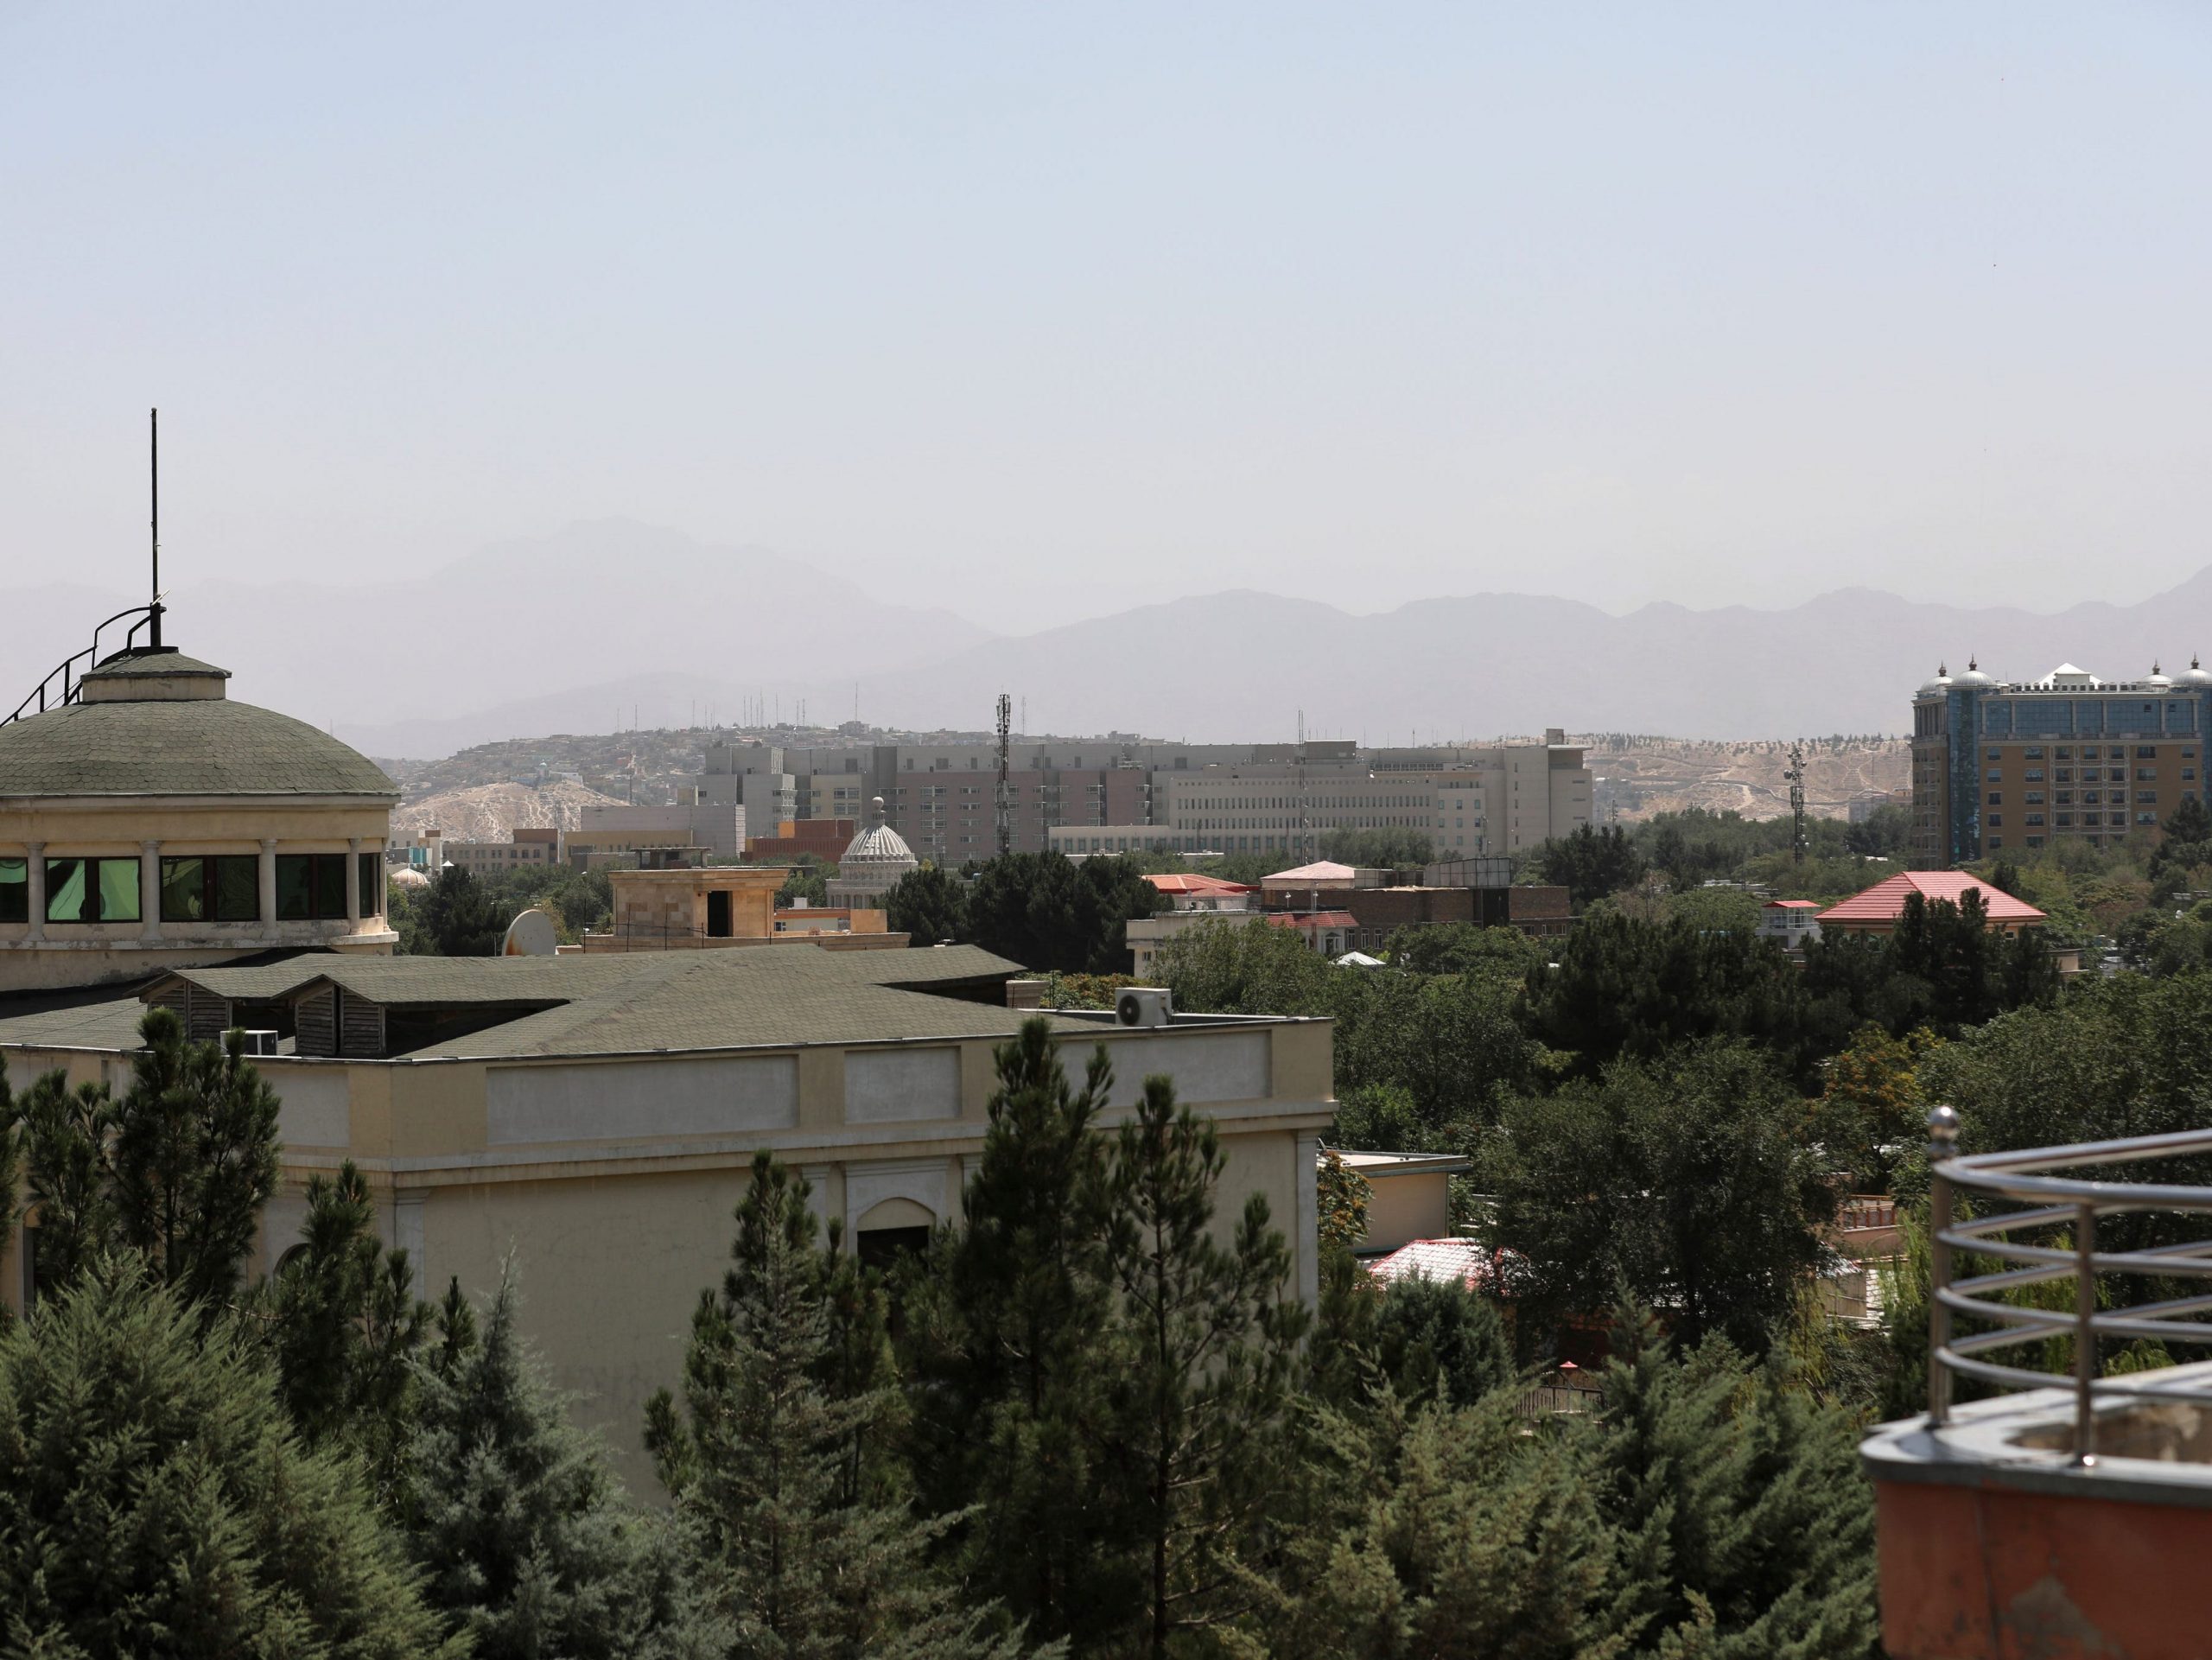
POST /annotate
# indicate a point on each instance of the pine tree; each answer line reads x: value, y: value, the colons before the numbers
x: 1442, y: 1531
x: 1205, y: 1389
x: 1740, y: 1499
x: 154, y: 1501
x: 755, y: 1460
x: 1436, y: 1339
x: 523, y: 1534
x: 1011, y: 1342
x: 176, y: 1171
x: 346, y: 1324
x: 193, y: 1157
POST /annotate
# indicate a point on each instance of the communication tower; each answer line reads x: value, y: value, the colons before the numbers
x: 1795, y: 774
x: 1003, y: 796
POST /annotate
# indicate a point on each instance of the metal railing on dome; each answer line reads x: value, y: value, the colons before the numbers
x: 2063, y: 1212
x: 72, y: 683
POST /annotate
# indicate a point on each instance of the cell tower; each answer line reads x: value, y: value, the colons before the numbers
x: 1003, y: 796
x: 1795, y: 774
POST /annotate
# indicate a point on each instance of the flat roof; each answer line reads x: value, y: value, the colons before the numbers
x: 643, y: 1002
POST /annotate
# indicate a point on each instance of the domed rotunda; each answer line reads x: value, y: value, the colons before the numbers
x: 872, y: 864
x: 148, y: 822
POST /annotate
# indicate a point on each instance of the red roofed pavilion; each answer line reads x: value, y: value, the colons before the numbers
x: 1877, y: 910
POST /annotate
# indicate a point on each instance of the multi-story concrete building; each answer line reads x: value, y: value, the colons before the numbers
x: 1998, y: 764
x: 528, y: 848
x: 1122, y: 792
x: 1469, y: 802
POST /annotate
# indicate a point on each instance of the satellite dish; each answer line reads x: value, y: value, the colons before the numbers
x: 531, y: 934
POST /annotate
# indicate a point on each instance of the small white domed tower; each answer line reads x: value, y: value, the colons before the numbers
x: 872, y: 865
x: 2194, y: 677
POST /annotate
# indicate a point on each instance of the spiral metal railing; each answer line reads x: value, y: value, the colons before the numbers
x: 2069, y: 1207
x: 65, y: 682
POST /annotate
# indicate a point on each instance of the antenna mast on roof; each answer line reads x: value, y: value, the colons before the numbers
x: 154, y: 480
x: 1003, y: 796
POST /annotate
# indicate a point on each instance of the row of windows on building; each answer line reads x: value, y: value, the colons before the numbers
x: 2088, y: 797
x: 222, y: 888
x: 2090, y: 752
x: 2065, y: 820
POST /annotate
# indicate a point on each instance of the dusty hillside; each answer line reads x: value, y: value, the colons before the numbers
x: 492, y: 812
x: 1640, y: 776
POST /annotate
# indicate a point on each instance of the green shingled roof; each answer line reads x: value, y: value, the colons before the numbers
x: 644, y: 1001
x: 139, y: 664
x: 197, y: 746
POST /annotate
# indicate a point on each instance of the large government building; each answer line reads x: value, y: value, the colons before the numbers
x: 1999, y: 763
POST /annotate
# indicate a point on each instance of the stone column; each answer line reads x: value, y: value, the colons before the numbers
x: 149, y: 891
x: 268, y: 881
x: 37, y: 850
x: 353, y: 886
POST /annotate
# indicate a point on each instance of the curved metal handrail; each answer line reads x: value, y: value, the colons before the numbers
x: 72, y: 686
x: 2054, y: 1202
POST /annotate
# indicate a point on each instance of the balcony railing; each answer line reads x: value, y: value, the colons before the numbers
x: 2053, y: 1239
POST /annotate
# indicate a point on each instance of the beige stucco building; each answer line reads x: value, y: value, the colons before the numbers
x: 154, y: 823
x: 596, y: 1116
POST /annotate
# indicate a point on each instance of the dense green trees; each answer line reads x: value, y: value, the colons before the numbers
x: 153, y: 1499
x: 1040, y: 909
x: 1591, y: 863
x: 1685, y: 1178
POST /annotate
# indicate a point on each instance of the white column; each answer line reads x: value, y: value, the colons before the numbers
x: 37, y: 852
x: 268, y: 881
x: 353, y: 886
x: 149, y: 891
x: 1306, y: 1242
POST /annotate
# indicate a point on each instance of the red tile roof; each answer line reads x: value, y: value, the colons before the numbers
x: 1440, y: 1260
x: 1884, y: 901
x: 1180, y: 884
x: 1326, y: 871
x: 1791, y: 905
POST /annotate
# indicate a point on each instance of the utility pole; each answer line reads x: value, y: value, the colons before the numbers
x: 1795, y: 774
x: 1004, y: 794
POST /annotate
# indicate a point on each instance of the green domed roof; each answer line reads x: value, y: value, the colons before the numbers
x: 193, y: 746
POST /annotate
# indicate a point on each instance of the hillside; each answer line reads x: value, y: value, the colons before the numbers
x: 1638, y: 776
x: 492, y: 812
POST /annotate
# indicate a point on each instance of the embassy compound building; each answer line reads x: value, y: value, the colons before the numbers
x: 1999, y: 763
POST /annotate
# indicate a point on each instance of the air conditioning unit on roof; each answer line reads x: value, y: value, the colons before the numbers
x: 1144, y: 1006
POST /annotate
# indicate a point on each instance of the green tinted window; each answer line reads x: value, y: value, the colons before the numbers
x: 15, y: 890
x: 184, y: 890
x: 237, y: 889
x: 330, y: 885
x: 120, y: 888
x: 294, y: 887
x: 66, y: 882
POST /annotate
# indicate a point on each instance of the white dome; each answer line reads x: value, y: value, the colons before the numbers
x: 2194, y: 677
x: 407, y: 876
x: 2156, y: 682
x: 1939, y: 686
x: 877, y: 845
x: 1974, y: 679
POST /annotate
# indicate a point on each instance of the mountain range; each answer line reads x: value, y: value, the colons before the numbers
x: 608, y: 622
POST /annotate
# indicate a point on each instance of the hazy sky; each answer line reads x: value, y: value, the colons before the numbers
x: 1038, y: 311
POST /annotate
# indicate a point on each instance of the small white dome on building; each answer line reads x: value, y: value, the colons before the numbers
x: 2194, y: 677
x: 1974, y: 679
x: 407, y: 876
x: 2154, y: 681
x: 1939, y: 686
x: 872, y: 864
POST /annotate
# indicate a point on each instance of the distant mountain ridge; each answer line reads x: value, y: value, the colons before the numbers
x: 604, y: 623
x: 1245, y: 664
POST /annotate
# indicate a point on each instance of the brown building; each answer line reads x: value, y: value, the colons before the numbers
x: 1998, y: 764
